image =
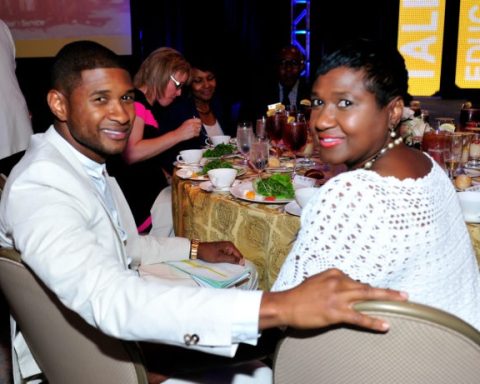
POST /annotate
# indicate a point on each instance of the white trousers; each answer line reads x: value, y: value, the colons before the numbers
x: 161, y: 212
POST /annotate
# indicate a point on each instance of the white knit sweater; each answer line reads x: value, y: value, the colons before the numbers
x: 403, y: 234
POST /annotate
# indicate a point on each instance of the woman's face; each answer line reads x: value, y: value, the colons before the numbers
x: 203, y: 84
x: 346, y: 120
x: 173, y: 89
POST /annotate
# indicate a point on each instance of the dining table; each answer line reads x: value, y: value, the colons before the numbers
x: 264, y: 233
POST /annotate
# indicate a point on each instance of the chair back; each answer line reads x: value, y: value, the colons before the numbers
x: 424, y: 345
x: 3, y: 180
x: 67, y: 349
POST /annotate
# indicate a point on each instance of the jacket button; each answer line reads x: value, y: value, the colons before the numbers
x: 191, y: 339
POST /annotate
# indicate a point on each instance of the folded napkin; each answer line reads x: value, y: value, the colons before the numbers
x: 216, y: 275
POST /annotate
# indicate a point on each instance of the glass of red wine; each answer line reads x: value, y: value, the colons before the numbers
x: 275, y: 125
x: 295, y: 135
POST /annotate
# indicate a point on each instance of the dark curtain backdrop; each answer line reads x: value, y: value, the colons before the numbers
x: 242, y: 36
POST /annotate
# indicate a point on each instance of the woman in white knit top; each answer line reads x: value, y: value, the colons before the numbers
x: 393, y: 220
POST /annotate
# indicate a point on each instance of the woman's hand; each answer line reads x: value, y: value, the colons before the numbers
x: 190, y: 128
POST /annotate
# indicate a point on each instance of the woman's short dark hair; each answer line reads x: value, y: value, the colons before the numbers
x: 79, y: 56
x: 386, y: 75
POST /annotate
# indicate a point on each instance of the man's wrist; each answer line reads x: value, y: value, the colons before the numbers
x: 194, y: 243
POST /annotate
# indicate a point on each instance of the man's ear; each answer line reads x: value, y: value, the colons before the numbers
x: 58, y: 104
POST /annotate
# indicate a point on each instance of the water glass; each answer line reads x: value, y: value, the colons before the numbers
x: 452, y: 153
x: 244, y: 138
x: 474, y: 152
x: 260, y: 128
x: 259, y: 155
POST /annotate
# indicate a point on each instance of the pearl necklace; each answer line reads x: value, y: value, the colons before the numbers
x: 392, y: 144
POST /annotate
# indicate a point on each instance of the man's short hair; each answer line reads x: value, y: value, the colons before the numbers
x: 79, y: 56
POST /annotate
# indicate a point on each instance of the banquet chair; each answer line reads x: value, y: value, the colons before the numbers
x: 67, y: 349
x: 3, y: 180
x: 423, y: 345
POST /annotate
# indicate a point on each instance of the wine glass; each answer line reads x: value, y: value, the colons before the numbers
x: 260, y: 128
x: 452, y: 153
x: 474, y: 152
x: 275, y: 125
x: 244, y: 138
x: 295, y: 135
x: 259, y: 155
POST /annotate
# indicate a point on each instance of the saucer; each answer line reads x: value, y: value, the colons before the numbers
x: 472, y: 172
x: 473, y: 219
x: 207, y: 186
x: 293, y: 208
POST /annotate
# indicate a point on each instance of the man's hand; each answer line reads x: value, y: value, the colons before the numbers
x: 321, y: 300
x: 220, y: 252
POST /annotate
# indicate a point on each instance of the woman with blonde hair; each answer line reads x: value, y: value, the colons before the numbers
x: 140, y: 173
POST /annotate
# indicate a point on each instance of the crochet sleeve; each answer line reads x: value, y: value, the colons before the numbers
x: 339, y: 228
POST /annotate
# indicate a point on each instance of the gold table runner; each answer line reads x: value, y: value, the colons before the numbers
x: 262, y: 232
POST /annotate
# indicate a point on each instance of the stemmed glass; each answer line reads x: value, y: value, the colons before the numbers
x: 244, y: 138
x: 474, y: 152
x: 275, y: 126
x: 259, y: 155
x: 452, y: 154
x: 295, y: 135
x: 260, y: 128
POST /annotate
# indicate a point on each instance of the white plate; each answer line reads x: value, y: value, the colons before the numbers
x: 471, y: 219
x: 182, y: 164
x: 293, y: 208
x: 207, y: 186
x: 242, y: 188
x: 472, y: 172
x: 279, y: 169
x: 191, y: 173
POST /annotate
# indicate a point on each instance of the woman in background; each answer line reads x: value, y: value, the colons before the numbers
x: 140, y: 172
x: 393, y: 219
x: 200, y: 99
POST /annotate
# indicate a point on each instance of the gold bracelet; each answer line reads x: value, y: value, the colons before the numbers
x: 194, y: 243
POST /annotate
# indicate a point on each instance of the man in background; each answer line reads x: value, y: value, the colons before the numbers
x: 286, y: 86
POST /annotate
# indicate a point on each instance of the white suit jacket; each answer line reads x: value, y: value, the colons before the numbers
x: 51, y: 212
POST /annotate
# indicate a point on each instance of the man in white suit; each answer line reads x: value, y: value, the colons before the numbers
x: 73, y: 227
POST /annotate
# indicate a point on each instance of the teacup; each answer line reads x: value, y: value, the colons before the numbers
x: 222, y: 178
x: 219, y: 139
x: 303, y: 195
x: 190, y: 156
x: 470, y: 203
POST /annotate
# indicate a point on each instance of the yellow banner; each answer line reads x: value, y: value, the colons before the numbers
x: 420, y: 40
x: 467, y: 73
